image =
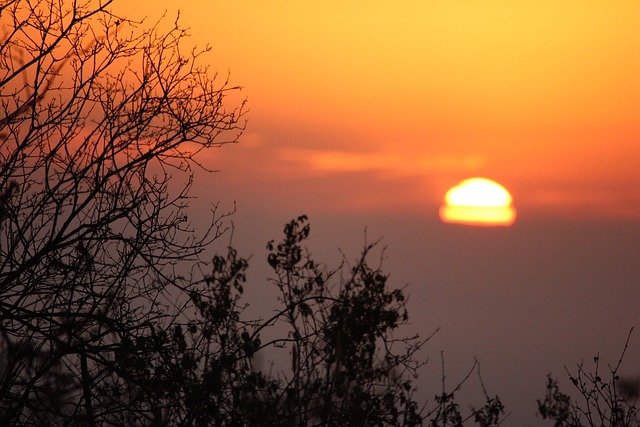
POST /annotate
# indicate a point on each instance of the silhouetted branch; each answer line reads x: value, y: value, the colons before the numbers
x: 100, y: 123
x: 601, y: 401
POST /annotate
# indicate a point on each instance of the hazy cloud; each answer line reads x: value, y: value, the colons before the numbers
x: 381, y: 161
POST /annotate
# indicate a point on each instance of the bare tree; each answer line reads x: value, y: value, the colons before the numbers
x: 101, y: 122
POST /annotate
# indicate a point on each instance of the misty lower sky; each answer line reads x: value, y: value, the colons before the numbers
x: 525, y: 300
x: 364, y: 113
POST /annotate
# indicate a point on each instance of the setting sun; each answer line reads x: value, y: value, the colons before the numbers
x: 478, y: 201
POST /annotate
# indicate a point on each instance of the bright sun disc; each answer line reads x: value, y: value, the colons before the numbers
x: 478, y: 201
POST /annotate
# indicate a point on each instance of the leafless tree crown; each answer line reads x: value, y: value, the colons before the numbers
x: 101, y: 122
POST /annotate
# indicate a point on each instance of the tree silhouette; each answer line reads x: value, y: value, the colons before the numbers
x: 347, y: 367
x: 338, y: 328
x: 100, y: 124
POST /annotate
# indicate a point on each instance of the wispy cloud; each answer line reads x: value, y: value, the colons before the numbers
x: 380, y: 161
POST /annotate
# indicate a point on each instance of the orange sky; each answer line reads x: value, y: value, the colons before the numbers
x: 368, y: 102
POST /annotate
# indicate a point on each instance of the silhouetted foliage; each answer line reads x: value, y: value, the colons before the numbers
x: 344, y: 370
x: 610, y: 401
x: 347, y: 368
x: 336, y: 328
x: 447, y: 410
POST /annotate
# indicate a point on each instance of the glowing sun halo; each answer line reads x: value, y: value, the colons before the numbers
x: 478, y: 201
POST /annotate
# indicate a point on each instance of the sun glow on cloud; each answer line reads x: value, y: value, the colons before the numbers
x: 380, y: 161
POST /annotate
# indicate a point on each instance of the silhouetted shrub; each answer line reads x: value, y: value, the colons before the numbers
x: 609, y: 401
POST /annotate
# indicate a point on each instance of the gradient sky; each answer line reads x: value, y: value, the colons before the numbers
x: 364, y: 113
x: 541, y: 96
